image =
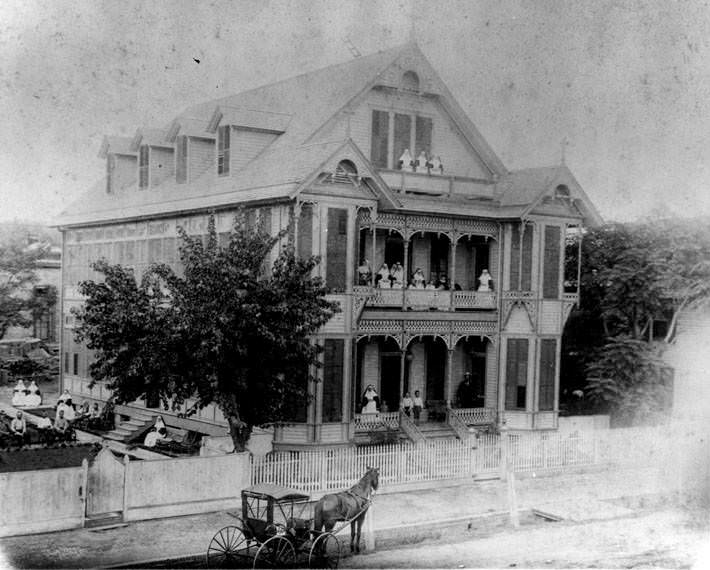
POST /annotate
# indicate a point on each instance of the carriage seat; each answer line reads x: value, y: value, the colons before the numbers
x: 257, y: 528
x: 298, y: 527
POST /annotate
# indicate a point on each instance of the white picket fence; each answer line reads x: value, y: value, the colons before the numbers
x: 327, y: 470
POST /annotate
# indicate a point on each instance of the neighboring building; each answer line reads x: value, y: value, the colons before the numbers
x: 324, y: 149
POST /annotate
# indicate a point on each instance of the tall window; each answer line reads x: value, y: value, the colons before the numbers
x: 336, y: 248
x: 380, y: 138
x: 410, y: 132
x: 551, y: 263
x: 516, y: 374
x: 181, y: 159
x: 521, y: 270
x: 548, y: 361
x: 223, y: 135
x: 143, y: 162
x: 333, y: 380
x: 305, y: 232
x: 76, y: 364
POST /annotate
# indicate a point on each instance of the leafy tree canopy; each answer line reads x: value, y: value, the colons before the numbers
x: 632, y: 274
x: 222, y: 331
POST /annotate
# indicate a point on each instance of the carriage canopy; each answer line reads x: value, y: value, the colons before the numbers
x: 277, y: 493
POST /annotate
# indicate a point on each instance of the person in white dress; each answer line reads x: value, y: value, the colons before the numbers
x: 370, y: 400
x: 63, y: 397
x: 418, y: 278
x: 397, y: 276
x: 19, y: 397
x: 384, y: 277
x: 422, y: 163
x: 406, y: 161
x: 34, y: 399
x: 484, y: 281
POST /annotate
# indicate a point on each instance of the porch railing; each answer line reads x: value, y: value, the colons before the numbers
x: 424, y: 299
x: 457, y: 424
x: 370, y: 422
x: 410, y: 429
x: 475, y: 416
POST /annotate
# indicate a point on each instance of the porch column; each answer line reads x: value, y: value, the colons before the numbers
x: 449, y: 376
x: 402, y: 364
x: 405, y: 266
x: 373, y: 263
x: 452, y: 249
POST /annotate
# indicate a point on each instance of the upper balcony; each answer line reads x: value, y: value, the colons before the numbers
x: 427, y: 299
x: 434, y: 184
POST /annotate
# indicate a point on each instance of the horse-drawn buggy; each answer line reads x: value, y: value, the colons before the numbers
x: 277, y: 530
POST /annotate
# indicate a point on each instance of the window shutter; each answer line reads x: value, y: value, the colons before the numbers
x: 181, y: 159
x: 551, y: 263
x: 423, y: 136
x: 110, y: 167
x: 516, y: 376
x: 333, y: 380
x: 305, y: 232
x: 515, y: 258
x: 336, y: 249
x: 380, y: 138
x: 223, y: 142
x: 548, y: 354
x: 143, y: 164
x: 526, y: 281
x: 402, y: 136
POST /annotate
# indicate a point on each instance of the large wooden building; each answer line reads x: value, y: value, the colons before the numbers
x: 375, y: 163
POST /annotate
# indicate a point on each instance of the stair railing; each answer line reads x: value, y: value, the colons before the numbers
x: 410, y: 429
x: 457, y: 424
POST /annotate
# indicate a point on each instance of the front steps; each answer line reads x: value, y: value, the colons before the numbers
x: 437, y: 430
x: 133, y: 428
x: 430, y: 430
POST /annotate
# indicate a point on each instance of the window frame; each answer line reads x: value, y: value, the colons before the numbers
x: 144, y: 166
x: 223, y: 149
x: 414, y: 118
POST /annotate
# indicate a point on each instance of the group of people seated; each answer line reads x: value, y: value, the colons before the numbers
x: 26, y: 396
x: 430, y: 164
x: 393, y: 278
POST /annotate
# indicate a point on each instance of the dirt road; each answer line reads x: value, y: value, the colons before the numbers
x: 664, y: 539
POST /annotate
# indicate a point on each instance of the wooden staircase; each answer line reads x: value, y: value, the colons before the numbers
x: 437, y: 431
x: 137, y: 425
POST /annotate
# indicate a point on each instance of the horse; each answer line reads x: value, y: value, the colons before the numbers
x: 347, y: 505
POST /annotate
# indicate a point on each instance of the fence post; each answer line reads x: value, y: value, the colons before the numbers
x: 83, y: 490
x: 504, y: 453
x: 370, y: 529
x: 126, y: 460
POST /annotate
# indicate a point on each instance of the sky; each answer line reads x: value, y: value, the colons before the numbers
x: 622, y: 86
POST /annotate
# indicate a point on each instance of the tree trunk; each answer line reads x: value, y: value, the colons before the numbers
x: 239, y: 431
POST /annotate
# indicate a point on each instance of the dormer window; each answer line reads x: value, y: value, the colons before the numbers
x: 410, y: 81
x: 143, y: 163
x: 562, y: 192
x: 223, y: 135
x: 181, y: 159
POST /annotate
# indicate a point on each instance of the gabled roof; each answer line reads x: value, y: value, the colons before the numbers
x: 249, y: 118
x: 149, y: 136
x: 188, y: 126
x: 525, y: 189
x: 116, y: 145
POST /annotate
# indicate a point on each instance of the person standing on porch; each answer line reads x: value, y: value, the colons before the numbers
x: 370, y: 400
x: 418, y: 404
x: 407, y: 404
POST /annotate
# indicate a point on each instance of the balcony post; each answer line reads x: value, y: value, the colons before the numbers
x: 405, y: 270
x: 402, y: 364
x: 452, y: 249
x: 373, y: 265
x: 449, y: 377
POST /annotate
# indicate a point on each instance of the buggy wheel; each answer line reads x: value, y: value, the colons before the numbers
x: 227, y: 547
x: 325, y: 551
x: 277, y: 552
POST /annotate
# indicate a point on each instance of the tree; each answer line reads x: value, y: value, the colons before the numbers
x: 632, y: 274
x: 17, y: 273
x: 223, y: 331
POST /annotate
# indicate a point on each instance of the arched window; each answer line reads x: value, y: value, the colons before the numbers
x: 346, y: 167
x: 562, y: 191
x: 410, y: 81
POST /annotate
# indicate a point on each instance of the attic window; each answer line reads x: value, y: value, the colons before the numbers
x: 344, y: 173
x: 410, y: 81
x: 223, y: 133
x: 562, y: 192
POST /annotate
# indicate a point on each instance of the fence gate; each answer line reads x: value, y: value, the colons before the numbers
x: 105, y: 489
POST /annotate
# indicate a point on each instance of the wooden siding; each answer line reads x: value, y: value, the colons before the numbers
x: 162, y: 165
x: 550, y: 317
x: 247, y: 144
x: 518, y: 322
x: 446, y: 140
x: 201, y: 154
x: 125, y: 172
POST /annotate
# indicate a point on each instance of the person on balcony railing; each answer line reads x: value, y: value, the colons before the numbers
x: 406, y: 162
x: 443, y: 284
x: 370, y: 400
x: 19, y: 397
x: 364, y: 272
x: 397, y: 276
x: 437, y: 166
x: 422, y: 165
x: 382, y: 279
x: 485, y: 281
x: 418, y: 278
